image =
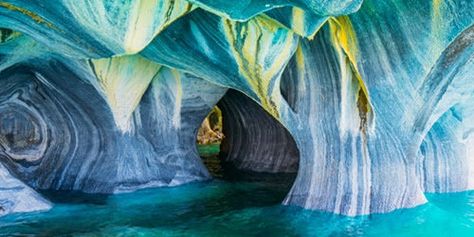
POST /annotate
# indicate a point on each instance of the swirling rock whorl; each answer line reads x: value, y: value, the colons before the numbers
x: 57, y: 132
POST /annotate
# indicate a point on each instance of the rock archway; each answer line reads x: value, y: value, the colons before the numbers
x: 254, y: 140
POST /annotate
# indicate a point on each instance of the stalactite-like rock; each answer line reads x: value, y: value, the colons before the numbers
x: 247, y: 56
x: 341, y: 168
x: 57, y: 132
x: 255, y: 141
x: 374, y: 156
x: 15, y: 196
x: 378, y: 103
x: 353, y: 113
x: 303, y: 23
x: 123, y: 81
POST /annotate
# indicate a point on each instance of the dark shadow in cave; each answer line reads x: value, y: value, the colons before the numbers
x: 255, y: 146
x: 74, y: 197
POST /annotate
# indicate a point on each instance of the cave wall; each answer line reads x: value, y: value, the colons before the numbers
x: 377, y: 102
x: 446, y: 151
x: 354, y: 94
x: 57, y: 131
x: 254, y: 140
x: 370, y: 107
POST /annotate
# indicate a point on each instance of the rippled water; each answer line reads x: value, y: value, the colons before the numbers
x: 231, y: 208
x: 221, y: 208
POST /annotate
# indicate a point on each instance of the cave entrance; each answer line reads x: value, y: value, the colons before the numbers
x: 240, y: 141
x: 209, y: 140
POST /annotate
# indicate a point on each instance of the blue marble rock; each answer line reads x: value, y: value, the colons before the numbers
x: 355, y: 100
x: 16, y: 196
x: 57, y: 132
x: 107, y: 96
x: 447, y: 148
x: 245, y: 9
x: 92, y: 28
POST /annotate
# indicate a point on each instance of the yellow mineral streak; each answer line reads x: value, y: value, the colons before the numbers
x: 26, y: 12
x: 123, y: 81
x: 437, y: 27
x: 436, y: 7
x: 344, y: 40
x: 298, y: 21
x: 301, y: 66
x: 147, y: 18
x: 251, y: 45
x: 300, y: 59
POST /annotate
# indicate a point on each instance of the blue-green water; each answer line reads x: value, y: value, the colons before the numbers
x: 225, y: 208
x: 237, y: 205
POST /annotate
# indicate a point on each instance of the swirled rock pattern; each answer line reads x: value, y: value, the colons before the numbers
x: 367, y: 143
x: 57, y: 132
x: 106, y: 96
x: 352, y: 109
x: 247, y: 56
x: 447, y: 151
x: 77, y: 28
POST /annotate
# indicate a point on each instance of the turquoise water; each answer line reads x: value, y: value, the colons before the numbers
x: 226, y: 208
x: 237, y: 205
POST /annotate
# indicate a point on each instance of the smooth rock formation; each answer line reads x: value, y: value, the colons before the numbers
x: 15, y: 196
x: 446, y: 149
x: 304, y: 17
x: 367, y: 132
x: 255, y: 141
x: 108, y: 96
x: 246, y: 9
x: 57, y: 132
x: 355, y: 95
x: 123, y: 81
x: 92, y: 28
x: 341, y: 146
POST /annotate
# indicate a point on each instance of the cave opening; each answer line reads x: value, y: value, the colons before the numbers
x: 209, y: 139
x: 240, y: 142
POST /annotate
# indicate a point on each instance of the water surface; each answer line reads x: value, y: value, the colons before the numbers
x: 231, y: 207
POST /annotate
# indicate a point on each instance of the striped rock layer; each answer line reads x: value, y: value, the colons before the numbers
x: 107, y: 96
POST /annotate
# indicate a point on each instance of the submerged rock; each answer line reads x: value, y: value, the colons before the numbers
x: 16, y: 196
